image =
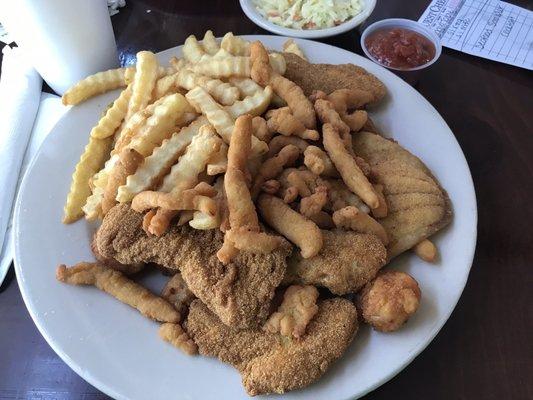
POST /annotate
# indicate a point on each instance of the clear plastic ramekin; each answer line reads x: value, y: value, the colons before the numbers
x: 406, y: 24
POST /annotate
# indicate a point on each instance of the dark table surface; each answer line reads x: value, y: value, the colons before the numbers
x: 485, y: 350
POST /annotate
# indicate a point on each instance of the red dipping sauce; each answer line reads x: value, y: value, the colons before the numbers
x: 400, y: 48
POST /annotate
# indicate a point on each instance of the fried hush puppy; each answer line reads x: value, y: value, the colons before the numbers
x: 388, y: 301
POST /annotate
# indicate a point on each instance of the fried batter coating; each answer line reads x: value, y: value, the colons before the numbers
x: 295, y: 312
x: 347, y: 166
x: 126, y: 269
x: 328, y: 77
x: 178, y: 294
x: 239, y: 293
x: 318, y: 162
x: 313, y: 204
x: 278, y: 142
x: 260, y: 128
x: 351, y: 218
x: 294, y: 226
x: 417, y: 205
x: 426, y: 250
x: 268, y: 362
x: 347, y: 261
x: 389, y: 300
x: 120, y: 287
x: 273, y: 166
x: 282, y: 121
x: 177, y: 337
x: 263, y: 74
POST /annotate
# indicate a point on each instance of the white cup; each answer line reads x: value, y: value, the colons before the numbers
x: 66, y: 40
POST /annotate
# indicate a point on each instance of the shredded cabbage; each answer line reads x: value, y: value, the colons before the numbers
x: 308, y: 14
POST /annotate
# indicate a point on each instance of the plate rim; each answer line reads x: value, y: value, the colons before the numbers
x: 104, y: 387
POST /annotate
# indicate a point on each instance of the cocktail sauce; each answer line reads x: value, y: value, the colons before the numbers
x: 400, y: 48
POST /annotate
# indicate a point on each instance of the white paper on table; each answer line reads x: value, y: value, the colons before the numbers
x: 491, y: 29
x: 50, y: 111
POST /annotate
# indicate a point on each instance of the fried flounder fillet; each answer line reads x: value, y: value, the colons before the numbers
x: 239, y: 293
x: 418, y: 206
x: 346, y: 262
x: 328, y: 77
x: 271, y: 363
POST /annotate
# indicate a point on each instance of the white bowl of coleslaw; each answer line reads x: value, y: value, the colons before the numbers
x: 308, y: 18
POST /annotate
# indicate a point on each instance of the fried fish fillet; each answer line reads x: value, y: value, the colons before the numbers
x: 239, y: 293
x: 329, y: 77
x: 271, y: 363
x: 418, y: 206
x: 346, y: 262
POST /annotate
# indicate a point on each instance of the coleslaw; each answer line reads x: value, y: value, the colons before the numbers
x: 308, y: 14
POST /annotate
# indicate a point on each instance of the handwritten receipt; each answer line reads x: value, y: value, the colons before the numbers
x: 491, y: 29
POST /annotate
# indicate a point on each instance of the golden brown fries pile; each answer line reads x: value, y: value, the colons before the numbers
x: 220, y: 139
x: 217, y: 137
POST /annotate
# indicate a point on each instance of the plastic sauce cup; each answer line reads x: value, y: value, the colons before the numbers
x: 406, y: 73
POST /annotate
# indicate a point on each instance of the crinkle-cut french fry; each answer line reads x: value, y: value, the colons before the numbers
x: 184, y: 174
x: 278, y: 63
x: 290, y: 46
x: 221, y: 53
x: 254, y: 105
x: 132, y: 125
x: 215, y: 113
x: 177, y: 63
x: 235, y: 45
x: 158, y: 164
x: 98, y: 83
x: 164, y: 86
x: 223, y: 92
x: 91, y: 161
x: 247, y: 86
x: 223, y: 67
x: 92, y: 207
x: 113, y: 117
x: 219, y: 117
x: 121, y: 288
x: 146, y: 73
x: 192, y: 50
x: 129, y: 73
x: 209, y: 43
x: 160, y: 125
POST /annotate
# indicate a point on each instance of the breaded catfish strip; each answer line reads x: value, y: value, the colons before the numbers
x: 417, y: 205
x: 328, y: 77
x: 239, y: 293
x: 120, y: 287
x: 268, y: 363
x: 347, y: 261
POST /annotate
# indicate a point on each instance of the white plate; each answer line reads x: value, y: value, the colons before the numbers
x: 117, y: 350
x: 251, y: 12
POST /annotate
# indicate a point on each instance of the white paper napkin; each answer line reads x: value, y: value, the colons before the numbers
x: 27, y: 116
